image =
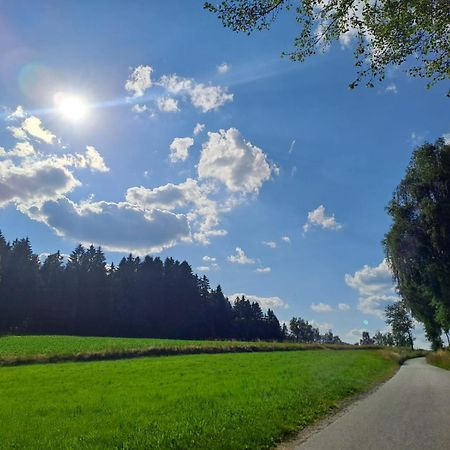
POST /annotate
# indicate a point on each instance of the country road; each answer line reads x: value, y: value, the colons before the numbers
x: 411, y: 411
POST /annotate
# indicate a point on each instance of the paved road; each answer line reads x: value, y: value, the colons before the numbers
x: 411, y: 411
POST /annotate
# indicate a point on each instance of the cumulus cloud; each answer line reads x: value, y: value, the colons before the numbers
x: 20, y: 150
x: 271, y: 244
x: 34, y: 181
x: 343, y: 307
x: 179, y: 148
x: 286, y: 239
x: 209, y: 259
x: 167, y: 104
x: 264, y: 302
x: 18, y: 113
x: 263, y: 270
x: 446, y: 137
x: 321, y: 307
x: 237, y: 163
x: 203, y: 97
x: 240, y: 257
x: 188, y: 197
x: 93, y: 160
x: 318, y: 218
x: 207, y: 98
x: 139, y: 109
x: 322, y: 326
x: 32, y: 126
x: 223, y: 68
x: 139, y: 81
x: 375, y: 287
x: 203, y: 269
x: 371, y: 280
x: 115, y: 226
x: 198, y: 128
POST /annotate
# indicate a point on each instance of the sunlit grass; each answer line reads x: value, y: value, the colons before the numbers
x: 227, y: 401
x: 440, y: 359
x: 28, y: 349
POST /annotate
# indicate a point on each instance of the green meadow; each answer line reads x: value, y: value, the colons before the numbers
x: 29, y: 349
x: 210, y: 401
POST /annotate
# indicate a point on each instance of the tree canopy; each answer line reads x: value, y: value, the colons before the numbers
x: 414, y: 33
x: 417, y: 246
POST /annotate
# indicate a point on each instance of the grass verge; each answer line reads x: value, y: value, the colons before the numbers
x: 224, y: 401
x: 440, y: 359
x: 17, y: 350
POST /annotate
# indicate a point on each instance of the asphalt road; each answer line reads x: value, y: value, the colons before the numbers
x: 411, y: 411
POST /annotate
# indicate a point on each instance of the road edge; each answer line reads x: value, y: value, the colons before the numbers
x: 342, y: 408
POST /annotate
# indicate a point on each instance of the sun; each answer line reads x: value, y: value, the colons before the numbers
x: 71, y: 107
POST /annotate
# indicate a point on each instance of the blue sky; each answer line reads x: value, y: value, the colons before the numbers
x: 288, y: 165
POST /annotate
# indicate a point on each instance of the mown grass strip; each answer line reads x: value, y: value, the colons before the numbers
x: 227, y: 401
x: 440, y: 359
x: 22, y: 350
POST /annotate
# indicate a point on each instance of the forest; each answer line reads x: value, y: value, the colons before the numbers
x: 137, y: 298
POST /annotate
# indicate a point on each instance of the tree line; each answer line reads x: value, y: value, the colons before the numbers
x: 138, y: 298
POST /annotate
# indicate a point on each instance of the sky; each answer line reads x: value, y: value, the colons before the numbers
x: 147, y: 127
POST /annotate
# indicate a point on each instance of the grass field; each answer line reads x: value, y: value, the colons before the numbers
x: 222, y: 401
x: 28, y: 349
x: 440, y: 359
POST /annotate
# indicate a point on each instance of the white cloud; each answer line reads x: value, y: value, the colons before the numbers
x: 203, y: 97
x: 375, y: 304
x: 322, y: 326
x: 18, y: 113
x: 321, y: 307
x: 240, y: 257
x: 240, y: 165
x: 223, y: 68
x: 264, y: 302
x: 355, y: 333
x: 20, y: 150
x: 209, y: 259
x: 371, y: 280
x: 375, y: 287
x: 94, y: 160
x: 32, y: 126
x: 286, y: 239
x: 199, y: 128
x: 271, y: 244
x: 167, y: 104
x: 115, y: 226
x: 207, y: 98
x: 343, y: 307
x: 188, y: 197
x: 319, y: 218
x: 139, y: 81
x: 34, y: 181
x: 137, y: 108
x: 263, y: 270
x: 203, y: 269
x: 446, y: 137
x: 391, y: 88
x: 179, y: 148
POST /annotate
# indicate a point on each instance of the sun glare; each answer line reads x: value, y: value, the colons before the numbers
x: 71, y: 107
